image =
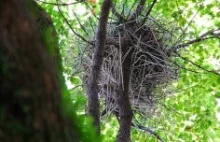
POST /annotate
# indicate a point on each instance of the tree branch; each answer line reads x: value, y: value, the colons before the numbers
x: 198, y: 66
x: 138, y: 10
x: 92, y: 82
x: 148, y: 130
x: 60, y: 4
x: 149, y: 11
x: 67, y: 22
x: 83, y: 28
x: 208, y: 35
x: 119, y: 16
x: 150, y: 8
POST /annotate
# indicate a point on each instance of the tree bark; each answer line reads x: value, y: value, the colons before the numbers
x: 123, y: 102
x: 92, y: 81
x: 30, y: 93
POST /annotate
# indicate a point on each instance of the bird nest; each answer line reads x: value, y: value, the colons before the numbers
x: 147, y: 46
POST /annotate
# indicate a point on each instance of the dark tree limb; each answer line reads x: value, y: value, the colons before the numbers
x: 123, y: 102
x: 92, y: 81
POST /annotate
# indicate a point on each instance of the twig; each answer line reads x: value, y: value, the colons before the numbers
x: 198, y: 66
x: 185, y: 29
x: 91, y: 9
x: 119, y: 16
x: 149, y: 11
x: 181, y: 67
x: 132, y: 6
x: 75, y: 87
x: 148, y: 130
x: 151, y: 7
x: 83, y: 28
x: 138, y: 10
x: 60, y: 4
x: 208, y: 35
x: 67, y: 22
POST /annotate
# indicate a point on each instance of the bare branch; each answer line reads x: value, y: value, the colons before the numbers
x: 208, y: 35
x: 60, y: 4
x: 67, y: 22
x: 150, y: 8
x: 118, y: 15
x: 83, y: 28
x: 148, y: 130
x: 138, y: 10
x: 132, y: 6
x: 148, y: 12
x: 198, y: 66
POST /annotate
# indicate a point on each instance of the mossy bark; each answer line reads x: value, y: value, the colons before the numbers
x: 30, y: 92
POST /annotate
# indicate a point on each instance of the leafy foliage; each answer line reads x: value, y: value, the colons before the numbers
x: 190, y: 111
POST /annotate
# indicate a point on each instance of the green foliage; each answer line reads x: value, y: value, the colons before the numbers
x: 191, y: 113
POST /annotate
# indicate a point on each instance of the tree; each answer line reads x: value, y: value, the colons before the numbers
x: 185, y: 33
x: 92, y: 82
x: 32, y: 87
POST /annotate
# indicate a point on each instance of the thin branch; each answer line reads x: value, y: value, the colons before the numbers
x: 60, y: 4
x: 138, y: 10
x: 208, y: 35
x: 148, y: 12
x: 185, y: 29
x: 150, y: 8
x: 82, y: 27
x: 119, y: 16
x: 76, y: 87
x: 67, y: 22
x: 198, y: 66
x: 91, y: 9
x: 181, y: 67
x: 132, y: 6
x: 148, y: 130
x: 123, y: 8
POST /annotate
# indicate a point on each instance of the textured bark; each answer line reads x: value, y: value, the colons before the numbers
x: 92, y: 82
x: 30, y: 94
x: 123, y: 102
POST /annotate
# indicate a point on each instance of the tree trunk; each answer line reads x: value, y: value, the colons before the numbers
x: 30, y: 93
x: 123, y: 100
x: 92, y: 81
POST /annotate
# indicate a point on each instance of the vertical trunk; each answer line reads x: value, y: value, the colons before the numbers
x: 30, y: 94
x: 123, y: 101
x: 92, y: 82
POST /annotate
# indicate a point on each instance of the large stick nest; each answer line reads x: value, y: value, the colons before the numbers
x: 147, y: 46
